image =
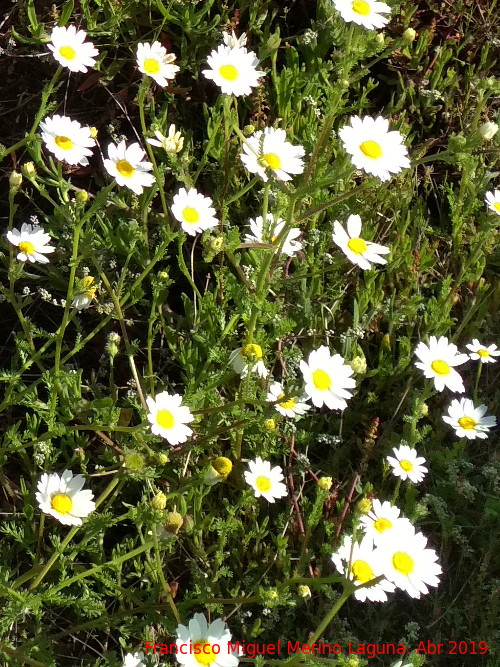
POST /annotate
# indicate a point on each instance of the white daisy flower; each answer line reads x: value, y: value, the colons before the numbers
x: 171, y: 144
x: 67, y: 139
x: 407, y: 464
x: 233, y: 68
x: 153, y: 60
x: 468, y: 421
x: 126, y: 166
x: 168, y: 418
x: 134, y: 660
x: 363, y: 12
x: 327, y: 379
x: 62, y: 497
x: 207, y: 645
x: 71, y: 50
x: 290, y: 246
x: 409, y: 564
x: 32, y: 242
x: 483, y: 353
x: 373, y: 148
x: 382, y: 521
x: 360, y: 252
x: 193, y: 211
x: 291, y: 408
x: 264, y: 480
x: 437, y: 361
x: 493, y: 201
x: 248, y: 357
x: 84, y: 297
x: 364, y: 566
x: 269, y: 149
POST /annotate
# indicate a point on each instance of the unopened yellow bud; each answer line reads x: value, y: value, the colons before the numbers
x: 358, y: 365
x: 409, y: 35
x: 269, y: 424
x: 364, y: 506
x: 15, y: 180
x: 82, y: 196
x: 29, y: 169
x: 325, y: 483
x: 304, y: 591
x: 173, y: 523
x: 159, y: 502
x: 93, y: 132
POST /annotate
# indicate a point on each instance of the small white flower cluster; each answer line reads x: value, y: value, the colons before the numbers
x: 437, y: 361
x: 391, y: 548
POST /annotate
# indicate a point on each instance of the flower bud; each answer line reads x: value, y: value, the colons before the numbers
x: 409, y: 35
x: 162, y: 458
x: 159, y: 502
x: 82, y: 196
x: 325, y: 483
x: 304, y: 591
x: 248, y: 130
x: 358, y: 365
x: 15, y: 180
x: 269, y: 424
x: 29, y: 169
x: 380, y: 38
x: 93, y: 132
x: 174, y: 522
x: 488, y: 130
x: 364, y: 506
x: 134, y: 462
x: 219, y: 470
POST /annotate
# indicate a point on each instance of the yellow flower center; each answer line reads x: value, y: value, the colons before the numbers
x: 190, y: 215
x: 467, y: 423
x: 370, y: 148
x: 263, y: 483
x: 321, y: 380
x: 271, y: 160
x: 362, y: 571
x: 440, y: 367
x: 496, y: 206
x: 382, y: 525
x: 361, y: 7
x: 206, y: 656
x: 67, y: 52
x: 483, y: 353
x: 152, y: 66
x: 287, y: 405
x: 252, y: 351
x: 61, y: 503
x: 358, y: 246
x: 64, y: 142
x: 165, y: 419
x: 125, y: 168
x: 403, y: 563
x: 406, y: 465
x: 26, y: 247
x: 228, y: 72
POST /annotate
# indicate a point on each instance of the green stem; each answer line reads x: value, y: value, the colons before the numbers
x: 476, y: 385
x: 143, y: 89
